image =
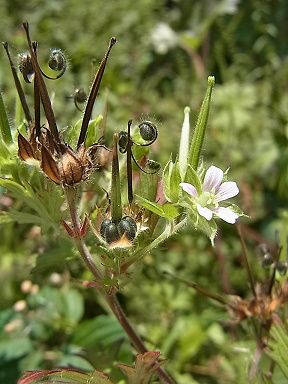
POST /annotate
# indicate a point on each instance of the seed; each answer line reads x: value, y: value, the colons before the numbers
x: 148, y: 131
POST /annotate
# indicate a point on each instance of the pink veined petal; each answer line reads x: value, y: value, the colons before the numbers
x: 205, y: 212
x: 226, y: 214
x: 212, y: 179
x: 226, y: 190
x: 189, y: 188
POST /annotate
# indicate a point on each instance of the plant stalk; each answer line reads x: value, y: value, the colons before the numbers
x: 111, y: 299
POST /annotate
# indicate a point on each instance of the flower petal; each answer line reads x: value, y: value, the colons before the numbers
x: 226, y: 190
x: 205, y: 212
x: 212, y: 179
x: 189, y: 188
x: 226, y: 214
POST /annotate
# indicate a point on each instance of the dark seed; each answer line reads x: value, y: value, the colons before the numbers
x: 111, y: 233
x: 148, y: 131
x: 128, y: 227
x: 57, y: 60
x: 153, y: 165
x: 122, y: 141
x: 267, y: 260
x: 104, y: 225
x: 281, y: 268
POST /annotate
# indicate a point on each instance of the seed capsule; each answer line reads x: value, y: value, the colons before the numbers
x: 148, y: 131
x: 128, y: 227
x: 57, y: 60
x: 70, y: 168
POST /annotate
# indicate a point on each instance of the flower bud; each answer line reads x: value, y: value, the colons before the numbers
x: 128, y: 227
x: 148, y: 131
x: 57, y: 60
x: 26, y: 67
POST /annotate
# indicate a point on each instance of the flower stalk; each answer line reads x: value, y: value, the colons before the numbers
x: 116, y: 203
x: 110, y: 298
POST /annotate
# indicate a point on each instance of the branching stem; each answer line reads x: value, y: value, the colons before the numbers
x: 111, y: 299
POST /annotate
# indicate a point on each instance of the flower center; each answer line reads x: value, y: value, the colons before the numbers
x: 207, y: 199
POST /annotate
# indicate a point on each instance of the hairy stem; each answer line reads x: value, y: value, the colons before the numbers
x: 111, y: 299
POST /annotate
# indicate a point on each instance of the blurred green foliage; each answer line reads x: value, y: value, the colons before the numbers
x: 165, y: 51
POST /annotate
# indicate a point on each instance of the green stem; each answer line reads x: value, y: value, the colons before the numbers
x: 199, y: 132
x: 4, y: 123
x: 111, y: 299
x: 116, y: 203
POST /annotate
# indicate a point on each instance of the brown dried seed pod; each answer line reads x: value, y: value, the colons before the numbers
x: 25, y: 150
x: 71, y: 169
x: 49, y: 166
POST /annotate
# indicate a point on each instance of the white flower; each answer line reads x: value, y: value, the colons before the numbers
x: 163, y: 38
x: 213, y: 192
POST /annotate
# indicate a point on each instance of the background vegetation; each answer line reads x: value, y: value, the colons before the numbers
x: 165, y: 51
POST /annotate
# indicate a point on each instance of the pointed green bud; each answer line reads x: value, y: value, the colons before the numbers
x: 184, y: 143
x: 199, y: 132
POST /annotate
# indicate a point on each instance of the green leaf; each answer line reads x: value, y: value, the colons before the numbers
x: 73, y: 305
x: 278, y: 347
x: 11, y: 349
x: 32, y: 201
x: 4, y: 123
x: 103, y: 330
x: 172, y: 179
x: 199, y: 132
x: 93, y: 131
x: 169, y: 211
